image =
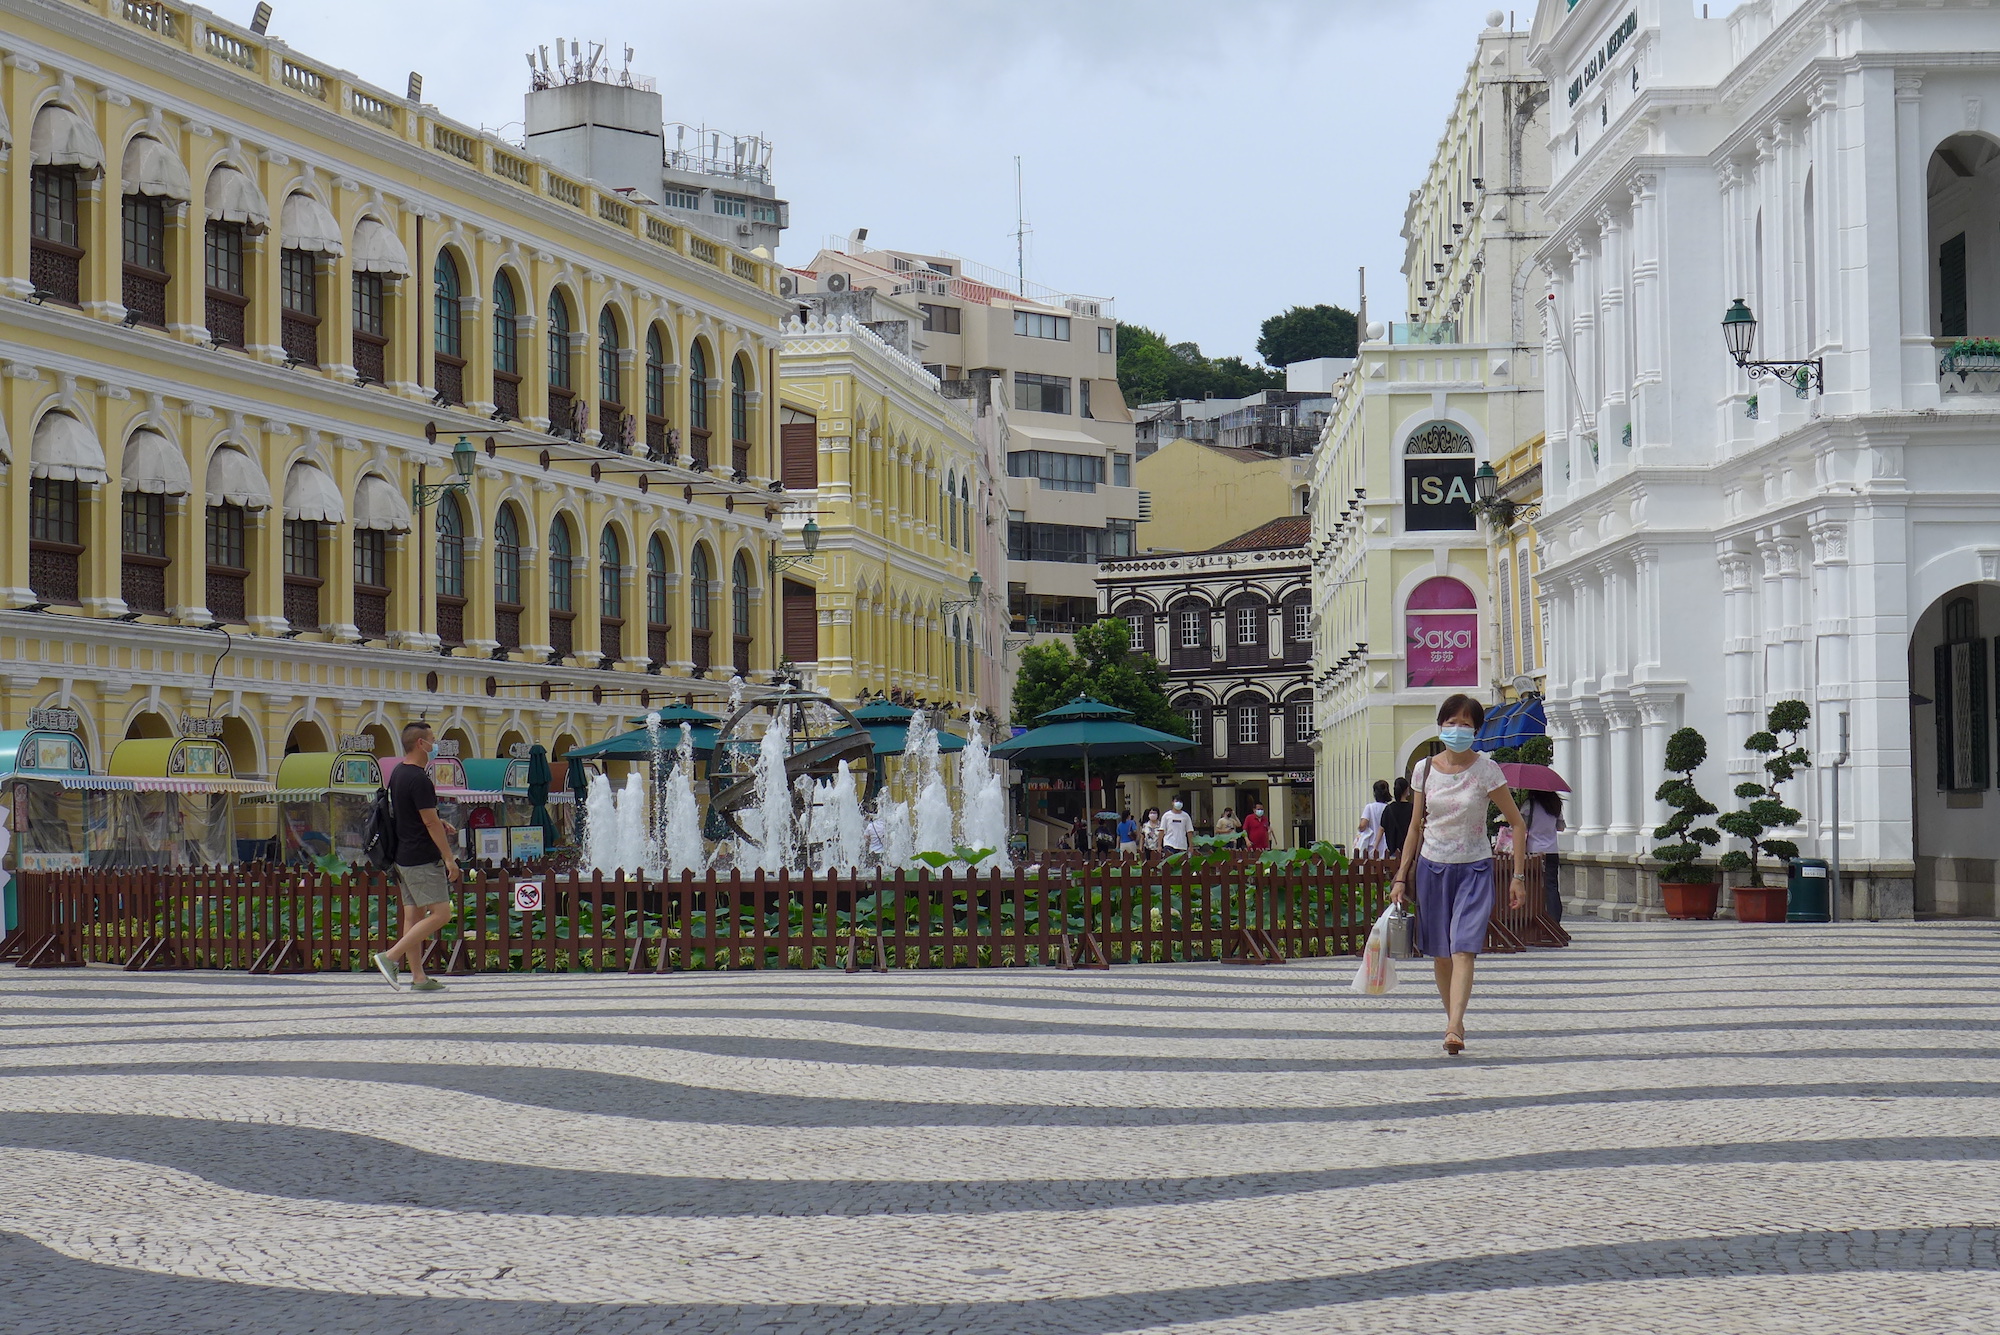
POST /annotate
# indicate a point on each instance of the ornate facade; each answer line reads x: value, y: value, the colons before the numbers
x: 239, y: 286
x: 1823, y: 522
x: 1232, y: 626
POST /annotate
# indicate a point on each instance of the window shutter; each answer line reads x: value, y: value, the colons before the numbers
x: 799, y: 449
x: 801, y: 622
x: 1941, y: 707
x: 1951, y: 288
x: 1979, y: 741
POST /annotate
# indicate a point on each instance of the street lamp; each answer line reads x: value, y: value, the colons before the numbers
x: 811, y: 536
x: 975, y: 584
x: 1499, y: 510
x: 1739, y: 335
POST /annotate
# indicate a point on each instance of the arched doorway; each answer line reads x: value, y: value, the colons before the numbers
x: 1952, y: 737
x: 148, y: 725
x: 306, y: 737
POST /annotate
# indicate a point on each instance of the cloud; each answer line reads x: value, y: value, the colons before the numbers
x: 1206, y: 164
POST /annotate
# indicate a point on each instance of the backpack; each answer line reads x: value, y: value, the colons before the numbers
x: 378, y: 832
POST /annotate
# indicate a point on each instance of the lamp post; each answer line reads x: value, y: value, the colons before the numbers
x: 464, y: 458
x: 781, y: 563
x: 975, y: 584
x: 1739, y: 335
x: 1487, y: 500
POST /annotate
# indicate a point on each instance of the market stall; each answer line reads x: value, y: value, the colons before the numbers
x: 58, y: 810
x: 323, y: 799
x: 173, y: 802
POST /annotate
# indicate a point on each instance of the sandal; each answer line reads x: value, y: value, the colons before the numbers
x: 1454, y: 1043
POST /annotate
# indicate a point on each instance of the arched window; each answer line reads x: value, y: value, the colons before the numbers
x: 611, y: 595
x: 739, y: 612
x: 957, y: 659
x: 951, y: 503
x: 656, y: 600
x: 1441, y: 634
x: 55, y: 232
x: 700, y: 578
x: 698, y: 403
x: 507, y: 578
x: 1194, y: 712
x: 55, y: 540
x: 608, y: 388
x: 656, y: 394
x: 563, y: 417
x: 562, y: 587
x: 506, y: 348
x: 739, y: 415
x: 965, y: 504
x: 446, y: 339
x: 1137, y: 622
x: 450, y: 570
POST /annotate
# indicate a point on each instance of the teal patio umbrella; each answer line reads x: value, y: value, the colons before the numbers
x: 539, y: 776
x: 1084, y: 728
x: 638, y: 744
x: 888, y: 726
x: 579, y: 787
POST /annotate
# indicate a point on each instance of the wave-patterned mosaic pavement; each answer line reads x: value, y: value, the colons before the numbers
x: 1667, y: 1128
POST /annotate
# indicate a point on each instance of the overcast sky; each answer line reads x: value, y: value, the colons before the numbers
x: 1205, y: 162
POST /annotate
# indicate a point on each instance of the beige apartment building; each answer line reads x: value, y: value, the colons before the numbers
x: 1041, y: 368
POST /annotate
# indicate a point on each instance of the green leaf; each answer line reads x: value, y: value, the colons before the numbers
x: 1749, y: 790
x: 1781, y: 849
x: 1687, y: 751
x: 1788, y: 716
x: 1761, y: 742
x: 1734, y: 860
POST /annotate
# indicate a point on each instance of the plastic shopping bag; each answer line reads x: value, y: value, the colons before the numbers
x: 1377, y: 973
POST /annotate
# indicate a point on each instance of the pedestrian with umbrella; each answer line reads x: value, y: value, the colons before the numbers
x: 1544, y: 788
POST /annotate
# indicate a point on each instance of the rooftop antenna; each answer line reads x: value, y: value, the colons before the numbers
x: 1021, y: 230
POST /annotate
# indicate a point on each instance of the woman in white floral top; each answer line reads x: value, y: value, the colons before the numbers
x: 1452, y: 859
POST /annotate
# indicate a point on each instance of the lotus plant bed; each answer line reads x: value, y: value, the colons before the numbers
x: 272, y: 920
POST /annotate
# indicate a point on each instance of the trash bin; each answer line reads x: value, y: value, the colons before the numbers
x: 1807, y: 891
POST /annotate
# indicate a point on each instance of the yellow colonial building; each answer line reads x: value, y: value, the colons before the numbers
x: 886, y: 466
x: 240, y: 284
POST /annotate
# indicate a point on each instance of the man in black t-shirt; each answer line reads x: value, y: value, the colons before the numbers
x: 426, y: 866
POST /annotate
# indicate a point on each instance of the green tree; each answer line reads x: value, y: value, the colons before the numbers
x: 1151, y: 370
x: 1767, y: 810
x: 1103, y: 667
x: 1305, y: 332
x: 1685, y: 836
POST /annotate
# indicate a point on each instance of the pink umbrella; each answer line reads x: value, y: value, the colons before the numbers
x: 1533, y: 778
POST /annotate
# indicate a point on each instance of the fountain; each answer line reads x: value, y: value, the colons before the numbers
x: 920, y: 751
x: 680, y: 819
x: 792, y: 796
x: 982, y: 796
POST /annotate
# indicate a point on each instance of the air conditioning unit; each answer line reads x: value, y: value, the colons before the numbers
x: 836, y: 282
x: 1078, y: 306
x: 788, y: 286
x: 744, y: 229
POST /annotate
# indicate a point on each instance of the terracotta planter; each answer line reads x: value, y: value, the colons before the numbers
x: 1760, y: 903
x: 1690, y: 900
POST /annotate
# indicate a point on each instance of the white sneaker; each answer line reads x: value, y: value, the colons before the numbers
x: 387, y: 967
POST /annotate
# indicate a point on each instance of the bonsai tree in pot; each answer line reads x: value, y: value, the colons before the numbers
x: 1687, y: 887
x: 1766, y: 811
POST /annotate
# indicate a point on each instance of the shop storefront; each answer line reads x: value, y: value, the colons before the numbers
x: 174, y: 803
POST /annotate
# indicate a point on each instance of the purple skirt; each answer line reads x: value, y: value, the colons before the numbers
x: 1454, y: 904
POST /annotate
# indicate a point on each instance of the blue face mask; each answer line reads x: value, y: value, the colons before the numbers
x: 1457, y: 737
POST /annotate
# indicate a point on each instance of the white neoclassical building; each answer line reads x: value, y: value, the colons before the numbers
x: 1716, y: 539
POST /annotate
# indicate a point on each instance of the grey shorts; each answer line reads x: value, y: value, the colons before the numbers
x: 425, y: 885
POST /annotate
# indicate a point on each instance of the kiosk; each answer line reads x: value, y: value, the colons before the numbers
x: 323, y: 799
x: 177, y: 808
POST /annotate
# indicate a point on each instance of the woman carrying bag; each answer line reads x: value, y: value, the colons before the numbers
x: 1451, y: 860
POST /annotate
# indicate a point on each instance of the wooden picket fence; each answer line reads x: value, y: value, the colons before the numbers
x: 266, y: 919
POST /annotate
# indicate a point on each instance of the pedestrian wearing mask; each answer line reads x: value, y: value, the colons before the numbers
x: 1257, y: 830
x: 1176, y: 827
x: 1448, y: 857
x: 1149, y: 834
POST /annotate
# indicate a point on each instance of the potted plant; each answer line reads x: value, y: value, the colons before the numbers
x: 1687, y: 887
x: 1766, y: 811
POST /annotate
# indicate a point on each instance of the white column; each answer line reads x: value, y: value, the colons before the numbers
x: 1626, y: 776
x: 1645, y: 612
x: 1659, y: 715
x: 1742, y: 680
x: 1595, y: 772
x: 1559, y: 468
x: 1649, y: 415
x: 1915, y: 250
x: 1616, y: 374
x: 1583, y: 355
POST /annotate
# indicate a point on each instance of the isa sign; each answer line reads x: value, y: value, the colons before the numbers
x: 1442, y: 648
x: 1437, y: 493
